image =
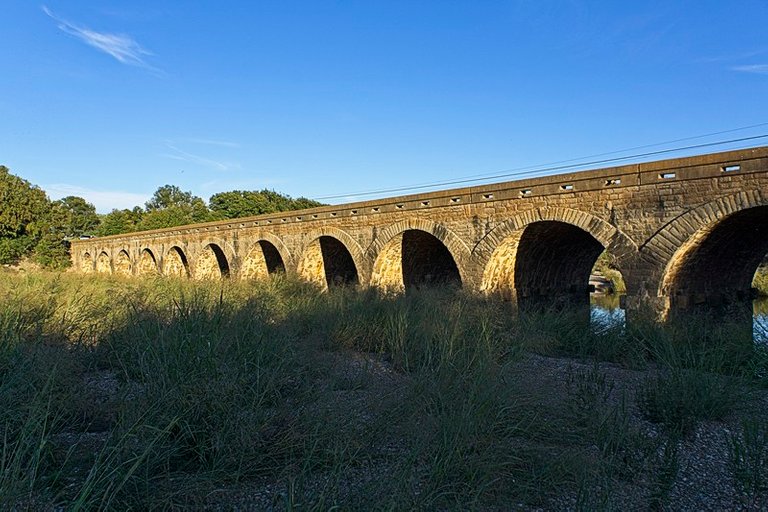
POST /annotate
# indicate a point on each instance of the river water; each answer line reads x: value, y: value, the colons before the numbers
x: 605, y: 310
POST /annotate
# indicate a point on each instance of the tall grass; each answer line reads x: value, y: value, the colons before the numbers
x: 126, y: 394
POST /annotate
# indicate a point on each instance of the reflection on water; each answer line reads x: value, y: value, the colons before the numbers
x: 760, y: 328
x: 605, y: 312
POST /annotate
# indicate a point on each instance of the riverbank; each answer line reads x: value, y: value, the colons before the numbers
x: 161, y: 393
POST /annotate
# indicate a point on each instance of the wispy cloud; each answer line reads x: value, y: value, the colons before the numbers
x: 120, y: 46
x: 212, y: 142
x: 760, y: 69
x: 179, y: 154
x: 103, y: 200
x: 734, y: 56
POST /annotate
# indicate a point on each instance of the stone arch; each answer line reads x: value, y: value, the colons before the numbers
x: 175, y: 262
x: 86, y: 263
x: 285, y: 253
x: 263, y: 259
x: 147, y: 263
x: 713, y: 268
x: 211, y: 263
x: 545, y: 256
x: 415, y: 253
x: 103, y: 263
x: 402, y: 253
x: 331, y: 258
x: 123, y: 265
x: 663, y: 245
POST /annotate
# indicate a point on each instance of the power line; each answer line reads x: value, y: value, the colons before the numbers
x: 635, y: 148
x: 527, y: 171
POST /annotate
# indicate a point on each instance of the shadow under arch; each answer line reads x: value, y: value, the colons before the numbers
x: 711, y: 273
x: 415, y: 253
x: 211, y: 263
x: 414, y: 259
x: 175, y: 263
x: 123, y: 265
x: 329, y: 262
x: 543, y: 258
x: 147, y: 263
x: 667, y: 241
x: 263, y: 260
x: 103, y: 263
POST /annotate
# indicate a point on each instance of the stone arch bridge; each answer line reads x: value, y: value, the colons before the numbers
x: 687, y: 234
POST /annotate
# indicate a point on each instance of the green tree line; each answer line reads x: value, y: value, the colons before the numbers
x: 31, y: 225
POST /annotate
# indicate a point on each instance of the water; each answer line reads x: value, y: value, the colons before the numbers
x: 760, y: 324
x: 605, y: 311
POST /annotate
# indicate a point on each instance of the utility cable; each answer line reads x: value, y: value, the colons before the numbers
x: 527, y: 171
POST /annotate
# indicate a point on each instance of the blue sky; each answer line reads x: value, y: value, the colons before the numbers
x: 110, y: 100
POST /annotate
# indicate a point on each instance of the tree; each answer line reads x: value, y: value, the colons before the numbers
x: 52, y: 251
x: 23, y: 207
x: 120, y: 221
x: 75, y: 216
x: 244, y: 203
x: 169, y: 196
x: 12, y: 249
x: 301, y: 203
x: 170, y: 206
x: 67, y: 218
x: 239, y: 203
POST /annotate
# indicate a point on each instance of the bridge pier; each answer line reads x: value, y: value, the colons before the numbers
x: 572, y: 301
x: 731, y: 312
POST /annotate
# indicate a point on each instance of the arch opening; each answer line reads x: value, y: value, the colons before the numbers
x: 713, y: 273
x: 328, y: 263
x: 103, y: 264
x: 414, y: 259
x: 123, y: 265
x: 147, y: 263
x: 263, y: 260
x: 553, y: 263
x: 212, y: 263
x: 176, y: 264
x: 86, y: 263
x: 760, y: 308
x: 544, y: 265
x: 606, y: 287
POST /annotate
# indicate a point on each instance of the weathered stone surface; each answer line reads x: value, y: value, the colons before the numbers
x: 387, y: 270
x: 311, y: 266
x: 175, y: 263
x: 103, y: 264
x: 123, y: 265
x: 86, y: 263
x: 147, y: 263
x: 211, y: 263
x: 254, y: 265
x: 684, y: 232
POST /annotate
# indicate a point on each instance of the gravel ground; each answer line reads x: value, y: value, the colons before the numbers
x: 704, y: 480
x: 356, y: 385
